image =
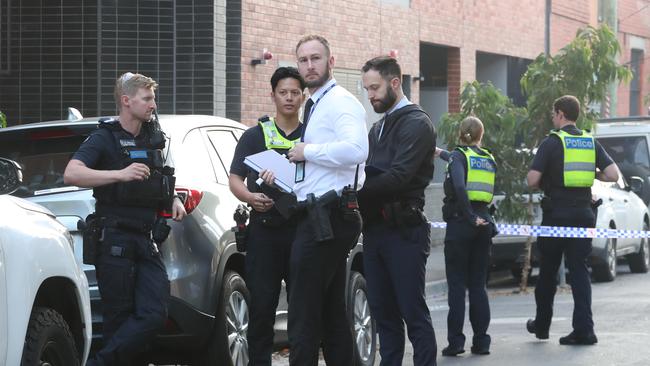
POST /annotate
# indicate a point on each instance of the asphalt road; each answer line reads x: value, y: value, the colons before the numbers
x: 621, y: 315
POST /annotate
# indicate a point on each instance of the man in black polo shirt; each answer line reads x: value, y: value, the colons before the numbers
x: 129, y: 188
x: 270, y: 235
x: 565, y: 168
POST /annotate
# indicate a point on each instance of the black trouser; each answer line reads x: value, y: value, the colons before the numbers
x: 317, y: 312
x: 467, y: 254
x: 135, y: 291
x: 394, y: 261
x: 267, y: 264
x: 576, y: 251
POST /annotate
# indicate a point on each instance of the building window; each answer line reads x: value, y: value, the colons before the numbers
x: 635, y: 85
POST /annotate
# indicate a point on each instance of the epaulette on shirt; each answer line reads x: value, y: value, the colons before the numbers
x: 109, y: 123
x: 264, y: 118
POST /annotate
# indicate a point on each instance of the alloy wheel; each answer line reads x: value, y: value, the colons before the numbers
x: 237, y: 323
x: 362, y: 325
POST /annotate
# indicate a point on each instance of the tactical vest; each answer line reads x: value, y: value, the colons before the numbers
x: 481, y: 173
x: 579, y: 158
x: 272, y: 137
x: 156, y: 192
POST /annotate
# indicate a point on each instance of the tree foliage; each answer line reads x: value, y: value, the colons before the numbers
x: 584, y: 68
x: 504, y: 125
x: 3, y: 120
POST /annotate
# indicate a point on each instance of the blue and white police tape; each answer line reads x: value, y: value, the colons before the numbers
x: 560, y: 231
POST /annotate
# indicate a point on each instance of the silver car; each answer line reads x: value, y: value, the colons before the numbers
x: 208, y: 312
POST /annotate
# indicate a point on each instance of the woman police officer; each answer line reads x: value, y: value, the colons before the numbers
x: 468, y: 187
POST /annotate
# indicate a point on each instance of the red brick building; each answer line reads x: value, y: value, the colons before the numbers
x: 440, y: 44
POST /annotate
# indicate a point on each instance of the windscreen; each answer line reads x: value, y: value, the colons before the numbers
x: 43, y: 154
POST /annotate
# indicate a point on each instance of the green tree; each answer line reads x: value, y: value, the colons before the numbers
x: 504, y: 125
x: 584, y: 68
x: 3, y: 120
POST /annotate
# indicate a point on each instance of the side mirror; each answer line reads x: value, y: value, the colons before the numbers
x: 636, y: 184
x: 11, y: 176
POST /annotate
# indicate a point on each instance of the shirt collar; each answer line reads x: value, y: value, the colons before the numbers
x: 401, y: 104
x: 318, y: 93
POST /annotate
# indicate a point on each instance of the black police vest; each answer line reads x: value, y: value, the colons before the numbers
x: 156, y: 192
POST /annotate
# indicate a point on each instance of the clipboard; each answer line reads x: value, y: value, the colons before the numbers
x: 282, y: 168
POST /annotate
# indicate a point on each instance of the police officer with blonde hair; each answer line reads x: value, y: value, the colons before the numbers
x: 565, y: 168
x: 122, y: 161
x: 469, y: 189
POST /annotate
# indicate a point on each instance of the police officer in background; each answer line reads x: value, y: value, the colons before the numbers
x: 122, y: 161
x: 469, y: 188
x: 269, y: 234
x: 565, y: 168
x: 396, y: 233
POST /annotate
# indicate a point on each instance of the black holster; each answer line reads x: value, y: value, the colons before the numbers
x: 318, y: 213
x: 402, y: 214
x: 92, y: 232
x: 240, y: 229
x: 160, y: 230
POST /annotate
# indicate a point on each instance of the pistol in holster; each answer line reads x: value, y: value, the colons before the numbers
x: 91, y: 229
x: 160, y: 230
x: 240, y: 229
x: 402, y: 214
x: 318, y: 213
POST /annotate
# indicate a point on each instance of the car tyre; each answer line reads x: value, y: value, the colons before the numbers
x: 364, y: 330
x: 49, y: 340
x: 229, y: 345
x: 606, y: 271
x: 640, y: 261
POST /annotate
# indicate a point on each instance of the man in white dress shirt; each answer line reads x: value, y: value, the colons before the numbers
x: 333, y: 152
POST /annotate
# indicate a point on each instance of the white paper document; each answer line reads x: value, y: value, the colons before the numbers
x: 282, y: 168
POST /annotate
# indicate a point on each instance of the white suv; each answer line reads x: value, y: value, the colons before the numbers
x: 44, y: 301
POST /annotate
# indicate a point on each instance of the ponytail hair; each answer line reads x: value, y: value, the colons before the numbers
x: 470, y: 131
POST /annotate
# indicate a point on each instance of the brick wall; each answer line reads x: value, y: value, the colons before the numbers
x: 633, y: 22
x: 361, y: 29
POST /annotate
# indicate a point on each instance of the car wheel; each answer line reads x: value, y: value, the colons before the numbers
x: 229, y: 345
x: 606, y: 272
x: 640, y: 261
x: 364, y: 331
x: 49, y: 340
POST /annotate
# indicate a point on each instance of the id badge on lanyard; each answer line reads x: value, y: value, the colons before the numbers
x: 300, y: 165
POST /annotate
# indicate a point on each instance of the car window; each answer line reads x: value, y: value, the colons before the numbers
x: 193, y: 159
x: 223, y: 144
x: 631, y: 150
x: 43, y: 154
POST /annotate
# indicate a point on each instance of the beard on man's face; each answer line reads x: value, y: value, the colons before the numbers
x: 382, y: 105
x: 320, y: 81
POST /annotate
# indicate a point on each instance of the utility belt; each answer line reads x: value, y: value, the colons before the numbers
x: 93, y: 228
x: 403, y: 213
x: 547, y: 203
x: 319, y: 210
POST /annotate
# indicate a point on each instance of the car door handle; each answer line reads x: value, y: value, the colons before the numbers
x: 611, y: 199
x: 625, y: 200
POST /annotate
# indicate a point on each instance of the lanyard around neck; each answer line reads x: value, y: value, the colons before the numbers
x: 311, y: 110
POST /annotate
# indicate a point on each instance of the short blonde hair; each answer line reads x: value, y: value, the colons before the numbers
x: 314, y: 37
x: 129, y: 84
x: 470, y: 130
